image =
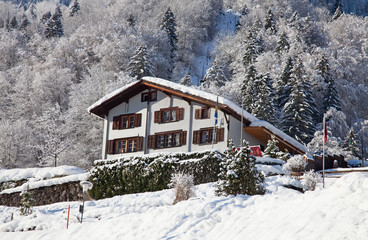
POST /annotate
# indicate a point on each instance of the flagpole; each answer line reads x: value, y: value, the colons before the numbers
x: 241, y: 123
x: 323, y: 157
x: 214, y: 126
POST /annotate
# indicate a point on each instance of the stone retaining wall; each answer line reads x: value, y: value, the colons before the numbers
x: 71, y: 191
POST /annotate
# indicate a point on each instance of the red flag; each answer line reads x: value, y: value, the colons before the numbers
x: 324, y: 128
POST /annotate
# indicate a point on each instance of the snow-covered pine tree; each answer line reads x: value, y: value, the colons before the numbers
x: 330, y: 95
x: 24, y: 22
x: 139, y: 64
x: 26, y: 202
x: 272, y: 149
x: 264, y: 107
x: 282, y: 44
x: 297, y: 116
x: 248, y: 90
x: 45, y: 17
x: 253, y: 46
x: 270, y: 22
x: 74, y: 8
x: 131, y: 20
x: 14, y: 23
x: 337, y: 10
x: 350, y: 145
x: 186, y: 80
x: 238, y: 174
x: 283, y: 88
x: 214, y: 77
x: 54, y: 26
x: 169, y: 25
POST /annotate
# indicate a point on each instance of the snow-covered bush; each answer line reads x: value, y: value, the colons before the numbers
x: 296, y: 163
x: 238, y: 173
x: 272, y: 149
x: 183, y: 186
x: 310, y: 180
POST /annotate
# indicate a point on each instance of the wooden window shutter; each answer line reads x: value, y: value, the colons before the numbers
x: 138, y: 120
x: 116, y: 122
x: 157, y: 117
x: 180, y: 113
x: 110, y: 146
x: 183, y: 138
x: 151, y: 141
x: 139, y: 143
x: 196, y: 137
x: 220, y: 134
x: 197, y: 114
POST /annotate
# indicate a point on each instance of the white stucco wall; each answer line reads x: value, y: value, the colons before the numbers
x: 188, y: 124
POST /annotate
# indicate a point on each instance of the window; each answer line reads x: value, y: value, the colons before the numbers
x: 149, y: 96
x: 127, y: 121
x: 205, y: 135
x: 167, y: 139
x: 124, y: 145
x: 167, y: 115
x: 202, y: 113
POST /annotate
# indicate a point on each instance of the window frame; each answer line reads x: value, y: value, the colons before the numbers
x: 127, y: 121
x: 169, y: 115
x: 125, y: 145
x: 169, y: 139
x: 150, y: 96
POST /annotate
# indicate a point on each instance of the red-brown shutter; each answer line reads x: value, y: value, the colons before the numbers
x: 220, y: 134
x: 151, y: 141
x: 180, y: 113
x: 157, y: 117
x: 197, y: 114
x: 196, y: 137
x: 139, y: 143
x: 110, y: 146
x: 138, y: 120
x: 116, y: 122
x: 183, y: 138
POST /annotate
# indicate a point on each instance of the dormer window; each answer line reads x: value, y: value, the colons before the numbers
x: 149, y: 96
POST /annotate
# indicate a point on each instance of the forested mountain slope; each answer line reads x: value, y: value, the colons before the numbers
x: 58, y: 59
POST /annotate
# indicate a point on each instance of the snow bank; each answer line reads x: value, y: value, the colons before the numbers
x: 17, y: 174
x: 336, y: 212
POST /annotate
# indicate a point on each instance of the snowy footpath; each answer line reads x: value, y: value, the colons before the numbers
x: 337, y: 212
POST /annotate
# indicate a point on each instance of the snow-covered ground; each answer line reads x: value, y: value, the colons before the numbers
x: 337, y: 212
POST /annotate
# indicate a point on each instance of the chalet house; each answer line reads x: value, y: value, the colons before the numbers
x: 155, y: 115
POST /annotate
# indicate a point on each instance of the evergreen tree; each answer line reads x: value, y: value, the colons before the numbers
x: 54, y: 26
x: 297, y: 113
x: 264, y: 107
x: 238, y: 174
x: 26, y: 202
x: 350, y: 145
x: 32, y: 11
x: 74, y: 8
x: 284, y: 86
x: 139, y: 64
x: 337, y: 10
x: 186, y: 80
x: 24, y: 23
x: 169, y: 25
x: 131, y: 21
x: 214, y: 77
x: 253, y: 46
x: 330, y: 95
x: 45, y: 17
x: 270, y: 22
x: 249, y: 92
x: 272, y: 149
x: 282, y: 43
x: 14, y: 23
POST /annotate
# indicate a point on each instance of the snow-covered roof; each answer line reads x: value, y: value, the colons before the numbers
x: 191, y: 91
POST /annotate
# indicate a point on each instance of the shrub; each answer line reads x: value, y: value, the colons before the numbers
x: 310, y: 180
x: 295, y: 164
x: 183, y: 185
x: 26, y: 203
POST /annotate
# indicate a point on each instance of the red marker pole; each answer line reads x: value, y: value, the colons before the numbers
x: 67, y: 221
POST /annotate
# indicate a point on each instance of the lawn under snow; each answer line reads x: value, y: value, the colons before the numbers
x: 337, y: 212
